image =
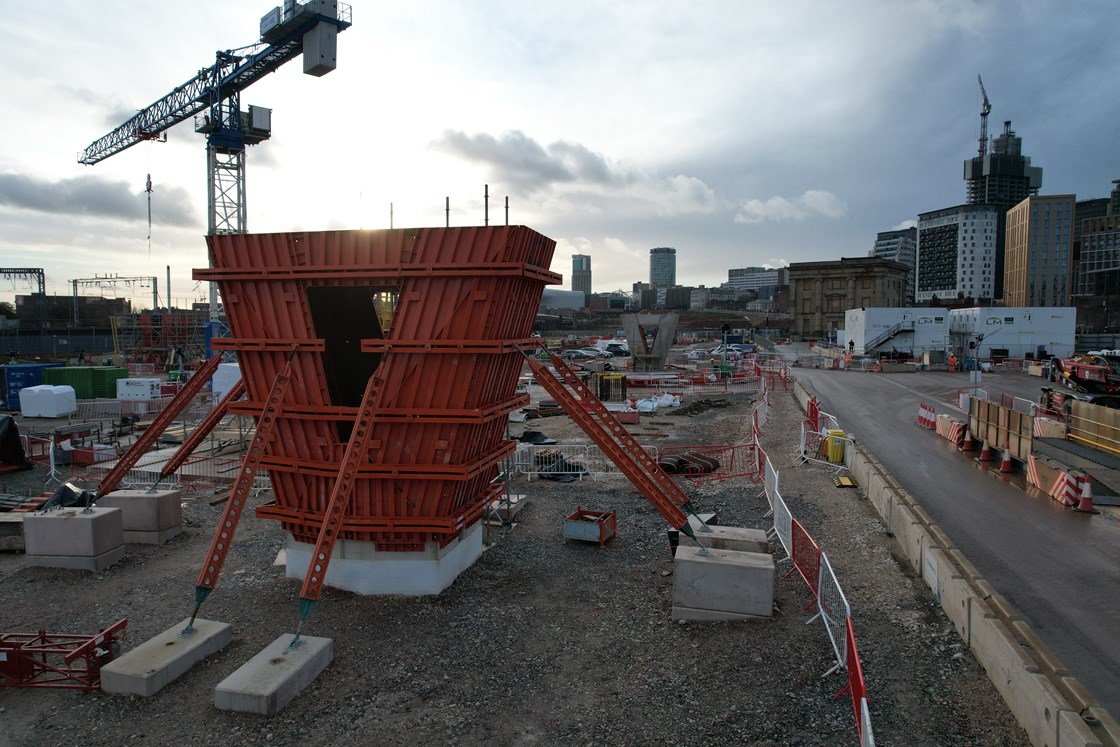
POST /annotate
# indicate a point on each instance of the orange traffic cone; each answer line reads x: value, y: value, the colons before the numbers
x: 986, y: 453
x: 1085, y: 506
x: 966, y: 443
x: 1006, y: 465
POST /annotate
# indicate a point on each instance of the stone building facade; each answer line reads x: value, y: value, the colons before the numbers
x: 820, y: 292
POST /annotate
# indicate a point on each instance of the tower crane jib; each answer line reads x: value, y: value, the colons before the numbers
x: 213, y: 97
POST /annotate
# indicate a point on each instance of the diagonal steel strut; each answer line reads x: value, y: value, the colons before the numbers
x: 603, y: 428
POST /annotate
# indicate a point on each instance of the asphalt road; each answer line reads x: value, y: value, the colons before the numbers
x: 1060, y: 568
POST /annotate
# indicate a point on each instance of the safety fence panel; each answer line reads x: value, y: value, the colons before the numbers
x: 813, y: 413
x: 770, y: 479
x: 856, y: 687
x: 762, y: 410
x: 1018, y: 404
x: 866, y: 736
x: 806, y: 556
x: 708, y: 463
x: 689, y: 388
x: 36, y: 449
x: 563, y: 462
x: 821, y: 447
x: 215, y: 473
x: 783, y: 524
x: 145, y: 473
x: 833, y: 609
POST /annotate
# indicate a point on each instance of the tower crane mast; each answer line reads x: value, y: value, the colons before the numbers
x: 213, y: 98
x: 985, y: 110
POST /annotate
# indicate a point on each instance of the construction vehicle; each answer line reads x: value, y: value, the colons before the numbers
x: 1096, y: 372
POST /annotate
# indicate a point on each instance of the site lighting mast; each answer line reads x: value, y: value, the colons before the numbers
x: 213, y: 98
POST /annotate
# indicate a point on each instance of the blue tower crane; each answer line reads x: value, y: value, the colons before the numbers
x: 213, y: 98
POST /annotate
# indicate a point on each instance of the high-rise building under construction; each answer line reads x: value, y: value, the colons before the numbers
x: 1000, y: 175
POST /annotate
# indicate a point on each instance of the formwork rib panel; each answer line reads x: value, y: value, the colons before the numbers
x: 464, y: 300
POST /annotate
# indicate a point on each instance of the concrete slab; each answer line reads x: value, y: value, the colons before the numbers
x: 724, y: 581
x: 730, y: 538
x: 271, y: 679
x: 361, y: 568
x: 74, y: 532
x: 94, y: 563
x: 159, y: 661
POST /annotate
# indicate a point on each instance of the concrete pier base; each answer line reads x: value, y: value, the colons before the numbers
x: 161, y: 660
x: 271, y: 679
x: 730, y: 538
x: 358, y: 567
x: 149, y: 517
x: 722, y: 585
x: 83, y: 539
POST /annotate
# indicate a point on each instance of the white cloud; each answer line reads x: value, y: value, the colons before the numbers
x: 904, y: 225
x: 811, y: 204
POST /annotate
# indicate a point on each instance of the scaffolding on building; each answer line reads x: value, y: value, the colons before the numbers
x: 166, y: 339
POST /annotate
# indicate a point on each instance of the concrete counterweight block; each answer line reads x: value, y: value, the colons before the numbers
x: 730, y: 538
x: 150, y: 517
x: 161, y: 660
x: 722, y: 585
x: 83, y: 539
x: 271, y: 679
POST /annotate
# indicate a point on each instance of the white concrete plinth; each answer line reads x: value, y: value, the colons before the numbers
x: 271, y: 679
x: 149, y: 517
x: 86, y: 539
x: 161, y: 660
x: 729, y: 538
x: 360, y: 568
x: 724, y: 584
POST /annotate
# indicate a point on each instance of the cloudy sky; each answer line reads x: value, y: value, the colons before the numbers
x: 739, y: 132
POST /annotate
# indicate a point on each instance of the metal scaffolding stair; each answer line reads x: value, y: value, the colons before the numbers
x: 611, y: 436
x: 904, y: 326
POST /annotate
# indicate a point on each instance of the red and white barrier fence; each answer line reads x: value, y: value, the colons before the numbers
x: 950, y: 428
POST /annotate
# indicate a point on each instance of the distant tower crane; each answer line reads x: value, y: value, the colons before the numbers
x: 213, y: 98
x: 985, y: 110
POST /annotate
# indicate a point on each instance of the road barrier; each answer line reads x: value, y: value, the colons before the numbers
x: 1049, y: 703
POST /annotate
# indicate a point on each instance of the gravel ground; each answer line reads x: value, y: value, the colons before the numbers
x: 541, y: 641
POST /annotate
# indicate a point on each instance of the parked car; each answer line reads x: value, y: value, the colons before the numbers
x: 577, y: 355
x: 596, y: 352
x: 744, y: 347
x: 617, y: 349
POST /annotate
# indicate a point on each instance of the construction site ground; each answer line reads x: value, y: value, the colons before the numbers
x: 542, y: 640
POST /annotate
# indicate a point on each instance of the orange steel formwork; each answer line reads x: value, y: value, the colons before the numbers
x: 435, y: 315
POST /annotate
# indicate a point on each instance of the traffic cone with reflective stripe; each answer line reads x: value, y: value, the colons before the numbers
x: 1085, y: 506
x: 1006, y: 465
x: 966, y: 443
x: 986, y: 453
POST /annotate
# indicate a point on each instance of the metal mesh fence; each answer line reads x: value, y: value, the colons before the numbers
x: 833, y: 609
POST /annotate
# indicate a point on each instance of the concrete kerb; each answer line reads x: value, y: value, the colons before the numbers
x: 1049, y: 704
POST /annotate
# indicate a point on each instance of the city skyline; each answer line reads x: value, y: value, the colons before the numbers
x: 791, y: 133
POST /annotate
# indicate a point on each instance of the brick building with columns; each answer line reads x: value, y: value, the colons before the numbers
x: 820, y: 292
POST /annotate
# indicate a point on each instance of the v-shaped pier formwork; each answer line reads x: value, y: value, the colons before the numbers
x: 436, y: 316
